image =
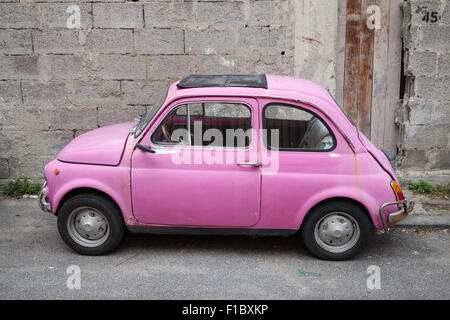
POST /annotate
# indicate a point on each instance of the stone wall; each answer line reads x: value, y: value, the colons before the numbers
x: 426, y: 109
x: 58, y: 82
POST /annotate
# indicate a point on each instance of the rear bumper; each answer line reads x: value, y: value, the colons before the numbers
x: 43, y: 201
x: 394, y: 217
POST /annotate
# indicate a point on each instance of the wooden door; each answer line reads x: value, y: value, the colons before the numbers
x: 372, y: 67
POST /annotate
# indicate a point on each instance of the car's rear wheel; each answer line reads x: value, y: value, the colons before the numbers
x: 90, y: 224
x: 336, y: 230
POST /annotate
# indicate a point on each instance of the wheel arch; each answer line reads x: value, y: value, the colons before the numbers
x: 86, y: 190
x: 336, y: 199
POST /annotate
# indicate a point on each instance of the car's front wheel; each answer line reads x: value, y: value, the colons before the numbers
x: 336, y: 230
x: 90, y: 224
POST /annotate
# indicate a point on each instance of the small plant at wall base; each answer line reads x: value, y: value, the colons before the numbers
x: 426, y: 188
x: 20, y: 187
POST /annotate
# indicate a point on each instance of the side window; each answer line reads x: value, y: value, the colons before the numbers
x: 295, y: 129
x: 214, y: 124
x: 220, y: 124
x: 173, y: 129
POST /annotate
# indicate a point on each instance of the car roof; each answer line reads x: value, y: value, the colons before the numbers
x: 249, y: 85
x: 278, y: 87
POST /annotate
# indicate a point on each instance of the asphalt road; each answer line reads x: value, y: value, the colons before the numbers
x: 34, y: 261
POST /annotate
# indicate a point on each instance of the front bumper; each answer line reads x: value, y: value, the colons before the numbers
x: 394, y: 217
x: 43, y: 201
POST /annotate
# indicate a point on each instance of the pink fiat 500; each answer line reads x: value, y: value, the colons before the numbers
x: 227, y: 154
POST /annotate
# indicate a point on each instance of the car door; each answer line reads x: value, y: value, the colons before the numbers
x: 305, y: 159
x: 194, y: 178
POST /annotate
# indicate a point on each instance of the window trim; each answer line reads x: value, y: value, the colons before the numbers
x: 188, y: 116
x: 263, y: 115
x: 163, y: 120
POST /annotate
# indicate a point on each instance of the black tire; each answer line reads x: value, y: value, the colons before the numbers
x: 109, y: 210
x: 315, y: 216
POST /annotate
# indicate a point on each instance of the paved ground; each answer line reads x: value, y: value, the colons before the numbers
x: 34, y: 260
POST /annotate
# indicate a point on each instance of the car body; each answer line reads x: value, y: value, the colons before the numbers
x: 318, y: 165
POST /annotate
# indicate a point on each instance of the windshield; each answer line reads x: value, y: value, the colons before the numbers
x: 145, y: 118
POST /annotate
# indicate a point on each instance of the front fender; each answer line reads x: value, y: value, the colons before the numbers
x: 113, y: 181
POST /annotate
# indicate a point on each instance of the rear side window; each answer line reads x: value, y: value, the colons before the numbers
x: 290, y: 127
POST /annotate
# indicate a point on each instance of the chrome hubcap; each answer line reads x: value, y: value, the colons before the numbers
x: 337, y: 232
x: 88, y: 227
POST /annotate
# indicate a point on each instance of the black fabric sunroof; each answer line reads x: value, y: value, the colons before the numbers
x: 228, y: 80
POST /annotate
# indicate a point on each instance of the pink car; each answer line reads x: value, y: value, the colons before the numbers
x: 228, y: 154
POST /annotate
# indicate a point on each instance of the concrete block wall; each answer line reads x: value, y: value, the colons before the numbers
x: 426, y: 109
x: 57, y: 82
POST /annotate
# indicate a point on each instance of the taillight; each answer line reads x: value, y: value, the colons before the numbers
x: 397, y: 190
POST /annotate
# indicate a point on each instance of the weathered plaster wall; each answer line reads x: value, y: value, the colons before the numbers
x: 425, y: 114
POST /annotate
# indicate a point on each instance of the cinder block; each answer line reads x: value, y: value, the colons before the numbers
x: 15, y: 42
x: 71, y: 118
x: 66, y: 67
x: 441, y: 113
x: 426, y: 137
x: 439, y: 159
x: 118, y: 15
x: 173, y: 67
x: 90, y: 93
x: 259, y: 37
x: 25, y: 143
x: 109, y: 41
x: 24, y: 118
x: 56, y: 15
x: 168, y: 15
x: 435, y: 38
x: 118, y: 67
x: 57, y: 41
x: 30, y: 166
x: 444, y: 64
x: 421, y: 63
x: 19, y: 67
x: 420, y: 112
x: 15, y: 15
x: 209, y: 41
x: 218, y: 64
x: 425, y: 12
x: 110, y: 115
x: 10, y: 94
x: 432, y: 88
x: 260, y: 13
x: 143, y: 92
x: 211, y: 13
x: 414, y: 159
x: 159, y: 41
x: 51, y: 93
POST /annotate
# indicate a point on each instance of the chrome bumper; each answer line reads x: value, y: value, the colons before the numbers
x: 43, y: 201
x: 394, y: 217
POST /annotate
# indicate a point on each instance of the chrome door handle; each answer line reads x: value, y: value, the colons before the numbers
x: 254, y: 164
